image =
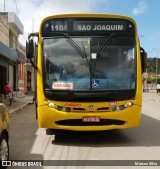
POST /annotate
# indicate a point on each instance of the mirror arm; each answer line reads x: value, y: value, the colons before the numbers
x: 33, y: 64
x: 33, y: 34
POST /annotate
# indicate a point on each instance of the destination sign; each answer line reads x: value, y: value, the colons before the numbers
x: 69, y: 25
x: 99, y: 26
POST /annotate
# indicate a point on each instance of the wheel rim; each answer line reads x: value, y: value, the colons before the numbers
x: 4, y: 150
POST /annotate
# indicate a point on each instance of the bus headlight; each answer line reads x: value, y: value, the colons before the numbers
x: 122, y: 107
x: 59, y: 108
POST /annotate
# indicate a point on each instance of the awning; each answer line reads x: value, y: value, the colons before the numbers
x: 7, y: 52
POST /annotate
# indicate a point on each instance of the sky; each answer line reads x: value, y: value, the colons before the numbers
x: 146, y: 13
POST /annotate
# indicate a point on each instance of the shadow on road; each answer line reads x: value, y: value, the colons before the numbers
x: 147, y: 134
x: 23, y: 128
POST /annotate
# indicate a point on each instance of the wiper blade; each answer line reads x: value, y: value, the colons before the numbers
x: 72, y: 43
x: 75, y: 46
x: 106, y: 43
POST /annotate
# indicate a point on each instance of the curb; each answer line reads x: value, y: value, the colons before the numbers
x: 151, y: 99
x: 17, y: 108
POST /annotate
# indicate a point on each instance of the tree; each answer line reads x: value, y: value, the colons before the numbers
x: 151, y: 65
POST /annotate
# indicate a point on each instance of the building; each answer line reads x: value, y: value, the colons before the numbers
x: 11, y: 27
x: 22, y: 78
x: 25, y: 72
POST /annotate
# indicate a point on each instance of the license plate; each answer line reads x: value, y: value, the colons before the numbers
x: 91, y: 119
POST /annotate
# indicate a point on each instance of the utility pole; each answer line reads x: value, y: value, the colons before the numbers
x: 32, y: 24
x: 4, y: 5
x: 33, y: 70
x: 156, y: 63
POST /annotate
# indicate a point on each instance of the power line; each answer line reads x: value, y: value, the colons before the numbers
x: 16, y: 8
x: 3, y: 4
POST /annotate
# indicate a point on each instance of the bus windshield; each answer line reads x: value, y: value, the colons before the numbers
x: 66, y: 70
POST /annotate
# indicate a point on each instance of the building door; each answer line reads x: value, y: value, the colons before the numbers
x: 28, y: 81
x: 2, y: 78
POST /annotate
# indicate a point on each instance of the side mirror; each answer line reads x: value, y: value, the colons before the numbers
x: 143, y: 59
x: 30, y: 49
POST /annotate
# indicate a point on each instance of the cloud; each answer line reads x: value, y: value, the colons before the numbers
x: 31, y: 12
x: 140, y: 9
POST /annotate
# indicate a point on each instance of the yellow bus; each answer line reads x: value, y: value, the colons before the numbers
x: 88, y: 72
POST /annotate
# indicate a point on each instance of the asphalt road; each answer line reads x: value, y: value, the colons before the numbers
x: 28, y: 142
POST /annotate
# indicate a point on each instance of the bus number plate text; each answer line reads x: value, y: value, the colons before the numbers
x: 91, y: 119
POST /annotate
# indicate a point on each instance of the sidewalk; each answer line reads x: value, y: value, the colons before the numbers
x: 151, y: 95
x: 20, y: 102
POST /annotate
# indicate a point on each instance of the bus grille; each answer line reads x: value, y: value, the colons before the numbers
x: 100, y: 109
x: 79, y: 122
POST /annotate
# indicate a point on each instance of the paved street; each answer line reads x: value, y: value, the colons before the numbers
x: 28, y: 142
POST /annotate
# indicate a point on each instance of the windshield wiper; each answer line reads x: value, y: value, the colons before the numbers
x: 105, y: 44
x: 75, y: 46
x: 72, y: 43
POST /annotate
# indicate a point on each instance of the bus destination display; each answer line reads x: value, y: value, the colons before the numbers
x: 83, y: 26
